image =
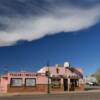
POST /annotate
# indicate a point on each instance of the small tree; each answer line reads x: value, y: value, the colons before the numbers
x: 97, y: 75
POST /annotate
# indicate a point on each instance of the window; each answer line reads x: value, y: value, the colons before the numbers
x: 16, y: 82
x: 56, y: 83
x: 30, y: 82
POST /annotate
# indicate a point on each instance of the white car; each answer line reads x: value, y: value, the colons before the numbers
x: 89, y: 83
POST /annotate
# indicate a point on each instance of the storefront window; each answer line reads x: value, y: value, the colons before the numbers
x: 30, y: 82
x: 16, y: 82
x: 56, y: 83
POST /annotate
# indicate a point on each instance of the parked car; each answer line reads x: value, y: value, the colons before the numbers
x: 93, y: 84
x: 89, y: 83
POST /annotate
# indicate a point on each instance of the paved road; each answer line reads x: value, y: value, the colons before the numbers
x: 70, y: 96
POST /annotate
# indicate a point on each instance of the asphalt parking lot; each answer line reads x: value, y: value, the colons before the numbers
x: 67, y: 96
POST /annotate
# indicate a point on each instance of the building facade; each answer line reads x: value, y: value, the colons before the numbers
x: 57, y: 78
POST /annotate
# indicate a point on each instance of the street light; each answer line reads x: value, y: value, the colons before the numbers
x: 47, y: 73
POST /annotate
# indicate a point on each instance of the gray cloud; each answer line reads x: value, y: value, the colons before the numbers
x: 33, y: 19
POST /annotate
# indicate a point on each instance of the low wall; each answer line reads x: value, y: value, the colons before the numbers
x: 80, y: 88
x: 39, y: 88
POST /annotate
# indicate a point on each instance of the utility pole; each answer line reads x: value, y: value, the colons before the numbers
x: 48, y: 76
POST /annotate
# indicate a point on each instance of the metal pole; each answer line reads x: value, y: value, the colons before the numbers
x: 48, y: 91
x: 48, y: 86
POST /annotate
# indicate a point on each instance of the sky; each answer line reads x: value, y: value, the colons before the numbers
x: 34, y: 32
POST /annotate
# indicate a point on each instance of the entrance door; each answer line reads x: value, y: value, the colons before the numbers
x: 65, y: 82
x: 72, y: 82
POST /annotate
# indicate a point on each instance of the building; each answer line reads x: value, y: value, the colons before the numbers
x: 59, y: 78
x: 90, y: 80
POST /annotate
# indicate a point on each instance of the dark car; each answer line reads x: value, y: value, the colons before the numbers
x: 96, y: 84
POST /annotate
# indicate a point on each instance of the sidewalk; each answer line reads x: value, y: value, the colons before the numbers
x: 41, y: 93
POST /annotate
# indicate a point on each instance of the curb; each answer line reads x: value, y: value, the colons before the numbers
x: 52, y: 93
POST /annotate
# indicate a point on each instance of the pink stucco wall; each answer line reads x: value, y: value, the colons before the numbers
x: 3, y: 84
x: 40, y: 76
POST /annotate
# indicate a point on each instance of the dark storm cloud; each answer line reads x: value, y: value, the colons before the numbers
x: 10, y: 8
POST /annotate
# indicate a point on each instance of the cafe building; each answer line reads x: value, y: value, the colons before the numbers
x: 55, y: 78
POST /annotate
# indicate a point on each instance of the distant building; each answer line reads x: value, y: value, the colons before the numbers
x: 61, y: 79
x: 90, y: 79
